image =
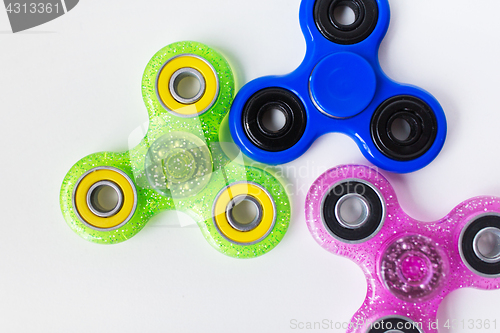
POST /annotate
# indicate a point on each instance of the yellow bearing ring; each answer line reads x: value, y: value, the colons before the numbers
x: 224, y: 201
x: 169, y: 72
x: 88, y: 215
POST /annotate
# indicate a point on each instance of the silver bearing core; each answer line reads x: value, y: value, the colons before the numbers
x: 358, y: 219
x: 486, y: 245
x: 239, y: 223
x: 182, y: 74
x: 99, y: 208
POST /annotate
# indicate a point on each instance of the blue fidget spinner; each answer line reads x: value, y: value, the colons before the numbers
x: 340, y: 87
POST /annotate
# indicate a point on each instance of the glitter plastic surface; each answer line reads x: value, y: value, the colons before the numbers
x: 410, y: 266
x: 340, y: 87
x: 180, y: 164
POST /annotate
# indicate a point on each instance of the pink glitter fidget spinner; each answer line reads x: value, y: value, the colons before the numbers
x: 410, y: 266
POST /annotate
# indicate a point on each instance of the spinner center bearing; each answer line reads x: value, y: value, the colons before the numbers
x: 179, y: 165
x: 342, y: 85
x: 413, y: 267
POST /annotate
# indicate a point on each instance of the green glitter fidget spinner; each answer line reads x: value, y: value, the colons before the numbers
x: 243, y: 211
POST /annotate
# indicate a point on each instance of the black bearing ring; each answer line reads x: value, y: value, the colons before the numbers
x: 420, y: 118
x: 372, y: 223
x: 467, y: 245
x: 268, y: 99
x: 398, y: 324
x: 366, y: 17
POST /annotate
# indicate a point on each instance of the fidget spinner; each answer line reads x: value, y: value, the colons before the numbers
x: 180, y: 164
x: 340, y: 87
x: 410, y: 266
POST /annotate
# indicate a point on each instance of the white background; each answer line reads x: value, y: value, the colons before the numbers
x: 71, y: 87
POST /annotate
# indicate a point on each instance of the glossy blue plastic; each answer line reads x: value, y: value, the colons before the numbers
x: 340, y: 87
